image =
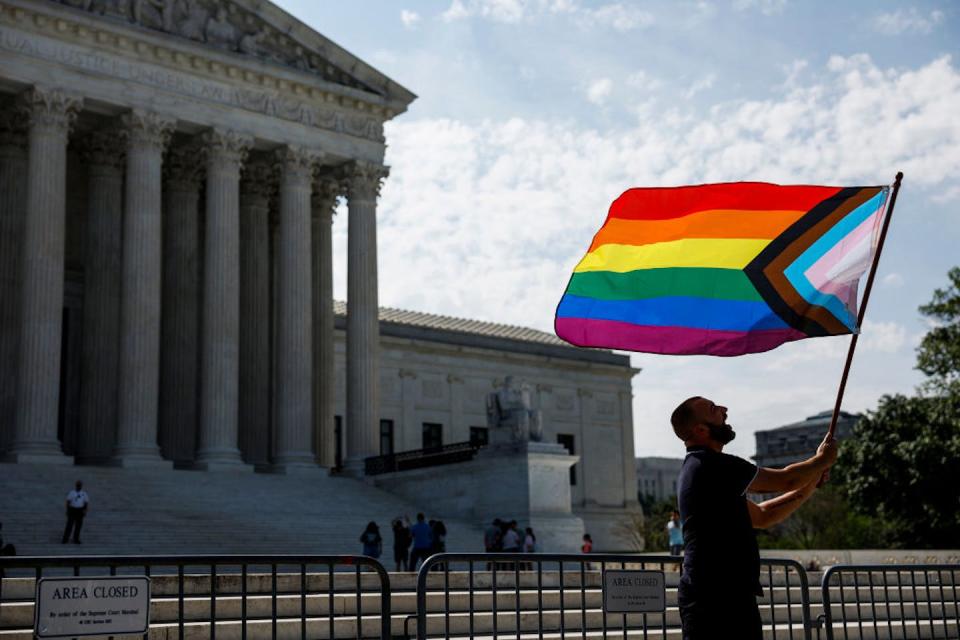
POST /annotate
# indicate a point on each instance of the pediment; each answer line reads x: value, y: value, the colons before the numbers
x: 253, y: 28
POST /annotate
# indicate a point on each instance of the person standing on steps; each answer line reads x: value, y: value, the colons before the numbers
x: 372, y: 542
x: 675, y: 534
x: 422, y: 541
x: 401, y: 542
x: 78, y: 501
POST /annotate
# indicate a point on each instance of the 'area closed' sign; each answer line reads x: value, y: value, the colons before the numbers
x: 70, y: 607
x: 634, y: 591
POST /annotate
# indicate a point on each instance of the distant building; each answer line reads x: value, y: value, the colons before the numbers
x: 793, y: 442
x: 657, y: 477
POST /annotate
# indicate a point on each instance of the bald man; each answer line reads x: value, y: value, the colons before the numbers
x: 721, y: 564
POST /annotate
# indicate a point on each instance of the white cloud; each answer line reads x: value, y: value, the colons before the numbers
x: 642, y: 80
x: 520, y: 199
x: 486, y: 220
x: 893, y: 280
x: 409, y: 19
x: 456, y: 11
x: 909, y: 21
x: 701, y: 84
x: 948, y: 194
x: 599, y: 90
x: 766, y: 7
x: 618, y: 15
x: 793, y: 72
x: 882, y: 337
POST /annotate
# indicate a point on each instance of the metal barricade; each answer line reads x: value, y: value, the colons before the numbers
x: 199, y: 595
x: 890, y: 601
x: 514, y: 595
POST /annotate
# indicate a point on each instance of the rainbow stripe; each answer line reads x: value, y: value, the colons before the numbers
x: 723, y: 269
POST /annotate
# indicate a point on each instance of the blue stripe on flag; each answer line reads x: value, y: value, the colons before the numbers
x: 699, y: 313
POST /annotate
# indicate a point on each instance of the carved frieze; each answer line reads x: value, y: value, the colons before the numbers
x: 223, y: 25
x: 162, y: 67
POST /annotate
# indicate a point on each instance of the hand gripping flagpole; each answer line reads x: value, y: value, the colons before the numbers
x: 831, y: 431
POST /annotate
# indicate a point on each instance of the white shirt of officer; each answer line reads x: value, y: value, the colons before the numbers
x: 78, y: 499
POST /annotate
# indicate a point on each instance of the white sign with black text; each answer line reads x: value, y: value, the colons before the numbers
x: 71, y: 607
x: 634, y: 591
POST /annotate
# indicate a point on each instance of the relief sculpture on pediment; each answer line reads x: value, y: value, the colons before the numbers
x: 222, y: 25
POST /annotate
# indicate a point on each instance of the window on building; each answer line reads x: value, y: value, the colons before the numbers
x: 432, y: 435
x: 479, y: 436
x: 386, y: 437
x: 567, y: 441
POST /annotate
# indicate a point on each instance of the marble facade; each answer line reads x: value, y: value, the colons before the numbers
x: 170, y: 170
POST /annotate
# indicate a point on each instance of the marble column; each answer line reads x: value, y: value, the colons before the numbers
x: 363, y: 326
x: 13, y: 178
x: 139, y: 387
x: 293, y: 403
x: 180, y: 323
x: 50, y: 114
x: 327, y: 189
x: 220, y: 348
x: 256, y: 187
x: 104, y: 159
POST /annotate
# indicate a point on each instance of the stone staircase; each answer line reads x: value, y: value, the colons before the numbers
x: 167, y: 511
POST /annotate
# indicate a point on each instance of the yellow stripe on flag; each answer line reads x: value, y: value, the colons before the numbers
x: 689, y: 252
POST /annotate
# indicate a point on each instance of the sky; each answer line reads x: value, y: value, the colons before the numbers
x: 532, y: 116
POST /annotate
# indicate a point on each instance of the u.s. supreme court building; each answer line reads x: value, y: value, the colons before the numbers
x: 169, y: 172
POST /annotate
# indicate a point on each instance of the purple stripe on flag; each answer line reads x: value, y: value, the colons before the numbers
x: 610, y: 334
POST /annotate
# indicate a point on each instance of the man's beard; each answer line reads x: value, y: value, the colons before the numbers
x: 722, y: 433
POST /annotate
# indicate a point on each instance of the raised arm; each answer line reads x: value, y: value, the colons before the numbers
x: 771, y: 512
x: 797, y: 475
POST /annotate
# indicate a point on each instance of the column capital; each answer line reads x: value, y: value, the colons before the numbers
x: 258, y: 179
x: 225, y: 148
x: 364, y: 179
x: 297, y: 163
x: 49, y: 108
x: 13, y: 128
x: 328, y: 187
x: 147, y: 129
x: 104, y: 149
x: 181, y: 171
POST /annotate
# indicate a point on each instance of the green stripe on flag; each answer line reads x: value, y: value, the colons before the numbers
x: 720, y: 284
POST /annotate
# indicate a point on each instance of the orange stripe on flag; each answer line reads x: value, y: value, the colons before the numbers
x: 716, y: 223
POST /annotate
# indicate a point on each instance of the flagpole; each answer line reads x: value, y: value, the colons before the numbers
x: 831, y: 431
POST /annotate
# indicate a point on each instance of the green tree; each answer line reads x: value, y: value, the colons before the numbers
x: 901, y: 465
x: 939, y: 353
x: 826, y: 521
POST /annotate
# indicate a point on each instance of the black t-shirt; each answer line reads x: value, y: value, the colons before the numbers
x: 720, y: 546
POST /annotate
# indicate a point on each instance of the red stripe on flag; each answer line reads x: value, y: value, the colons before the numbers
x: 663, y: 203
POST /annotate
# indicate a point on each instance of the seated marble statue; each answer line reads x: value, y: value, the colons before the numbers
x: 510, y: 413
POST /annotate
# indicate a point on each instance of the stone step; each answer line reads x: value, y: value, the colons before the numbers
x: 168, y: 511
